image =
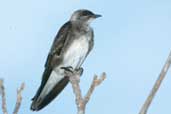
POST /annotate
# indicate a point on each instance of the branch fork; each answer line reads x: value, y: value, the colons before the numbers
x: 19, y: 98
x: 81, y: 101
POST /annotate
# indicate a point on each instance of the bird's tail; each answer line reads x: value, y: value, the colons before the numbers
x: 47, y: 92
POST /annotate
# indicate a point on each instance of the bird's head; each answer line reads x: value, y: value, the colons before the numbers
x: 84, y: 16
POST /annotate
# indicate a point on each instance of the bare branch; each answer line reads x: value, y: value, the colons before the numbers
x: 18, y: 102
x: 95, y: 83
x: 2, y: 92
x: 74, y: 80
x: 156, y: 86
x: 19, y: 99
x: 80, y: 101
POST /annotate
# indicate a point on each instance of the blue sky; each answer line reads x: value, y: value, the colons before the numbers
x: 132, y: 42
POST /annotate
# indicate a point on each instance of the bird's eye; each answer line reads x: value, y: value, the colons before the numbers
x: 87, y: 13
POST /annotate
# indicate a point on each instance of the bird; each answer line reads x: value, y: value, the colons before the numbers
x: 72, y: 44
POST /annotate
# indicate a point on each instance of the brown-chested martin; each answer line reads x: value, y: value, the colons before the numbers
x: 71, y: 46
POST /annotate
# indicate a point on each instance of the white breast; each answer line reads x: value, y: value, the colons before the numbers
x: 76, y: 53
x: 74, y: 56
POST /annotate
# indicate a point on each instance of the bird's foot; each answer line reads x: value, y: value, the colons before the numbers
x: 73, y: 72
x: 68, y: 69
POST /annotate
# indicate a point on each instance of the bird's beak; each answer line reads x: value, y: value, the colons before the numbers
x: 97, y: 15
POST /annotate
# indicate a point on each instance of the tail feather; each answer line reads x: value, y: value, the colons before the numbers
x: 45, y: 77
x: 40, y: 102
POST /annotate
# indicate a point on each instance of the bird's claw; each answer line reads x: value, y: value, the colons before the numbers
x: 68, y: 69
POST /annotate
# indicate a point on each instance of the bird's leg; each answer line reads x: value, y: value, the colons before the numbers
x: 68, y: 69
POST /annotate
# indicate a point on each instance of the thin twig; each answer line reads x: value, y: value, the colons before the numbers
x: 2, y: 92
x: 80, y: 101
x: 95, y: 83
x: 156, y: 86
x: 19, y: 99
x: 18, y: 102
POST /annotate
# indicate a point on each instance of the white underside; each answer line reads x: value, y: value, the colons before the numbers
x: 74, y: 57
